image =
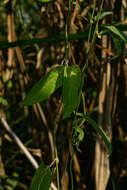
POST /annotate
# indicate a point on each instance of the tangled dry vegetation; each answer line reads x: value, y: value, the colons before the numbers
x: 38, y: 32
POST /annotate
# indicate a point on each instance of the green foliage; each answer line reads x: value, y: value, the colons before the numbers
x: 9, y: 84
x: 42, y: 178
x: 101, y: 132
x: 43, y: 27
x: 52, y: 81
x: 45, y: 87
x: 81, y: 133
x: 117, y: 32
x: 119, y: 46
x: 78, y: 136
x: 119, y: 37
x: 11, y: 182
x: 71, y: 88
x: 4, y: 77
x: 3, y: 101
x: 104, y: 14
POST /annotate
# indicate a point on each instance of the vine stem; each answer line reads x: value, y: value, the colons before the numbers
x: 84, y: 105
x: 55, y: 146
x: 91, y: 23
x: 66, y: 32
x: 66, y: 61
x: 90, y: 47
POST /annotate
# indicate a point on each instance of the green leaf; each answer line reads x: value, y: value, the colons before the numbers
x: 101, y: 132
x: 4, y: 77
x: 71, y: 88
x: 119, y: 46
x: 42, y: 178
x: 9, y: 84
x: 117, y: 32
x: 3, y: 101
x: 105, y: 14
x: 12, y: 182
x: 81, y: 133
x: 45, y: 87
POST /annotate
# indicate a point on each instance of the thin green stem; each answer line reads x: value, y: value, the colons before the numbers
x: 84, y: 68
x: 66, y: 32
x: 57, y: 170
x: 84, y: 105
x: 96, y: 27
x: 90, y: 47
x: 55, y: 147
x: 91, y: 23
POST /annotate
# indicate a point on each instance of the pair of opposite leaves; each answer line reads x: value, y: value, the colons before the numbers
x: 67, y: 76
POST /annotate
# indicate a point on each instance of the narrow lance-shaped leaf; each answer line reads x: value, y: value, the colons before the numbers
x: 106, y: 13
x: 45, y: 87
x: 117, y: 32
x: 42, y: 178
x: 71, y: 88
x: 101, y: 132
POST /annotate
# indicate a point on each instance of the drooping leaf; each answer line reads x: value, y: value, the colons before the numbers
x: 42, y: 178
x: 117, y: 32
x: 71, y: 88
x: 45, y: 86
x: 101, y: 132
x: 119, y: 46
x: 106, y: 13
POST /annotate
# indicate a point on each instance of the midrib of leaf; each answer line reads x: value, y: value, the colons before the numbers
x: 117, y: 32
x: 42, y: 177
x: 71, y: 88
